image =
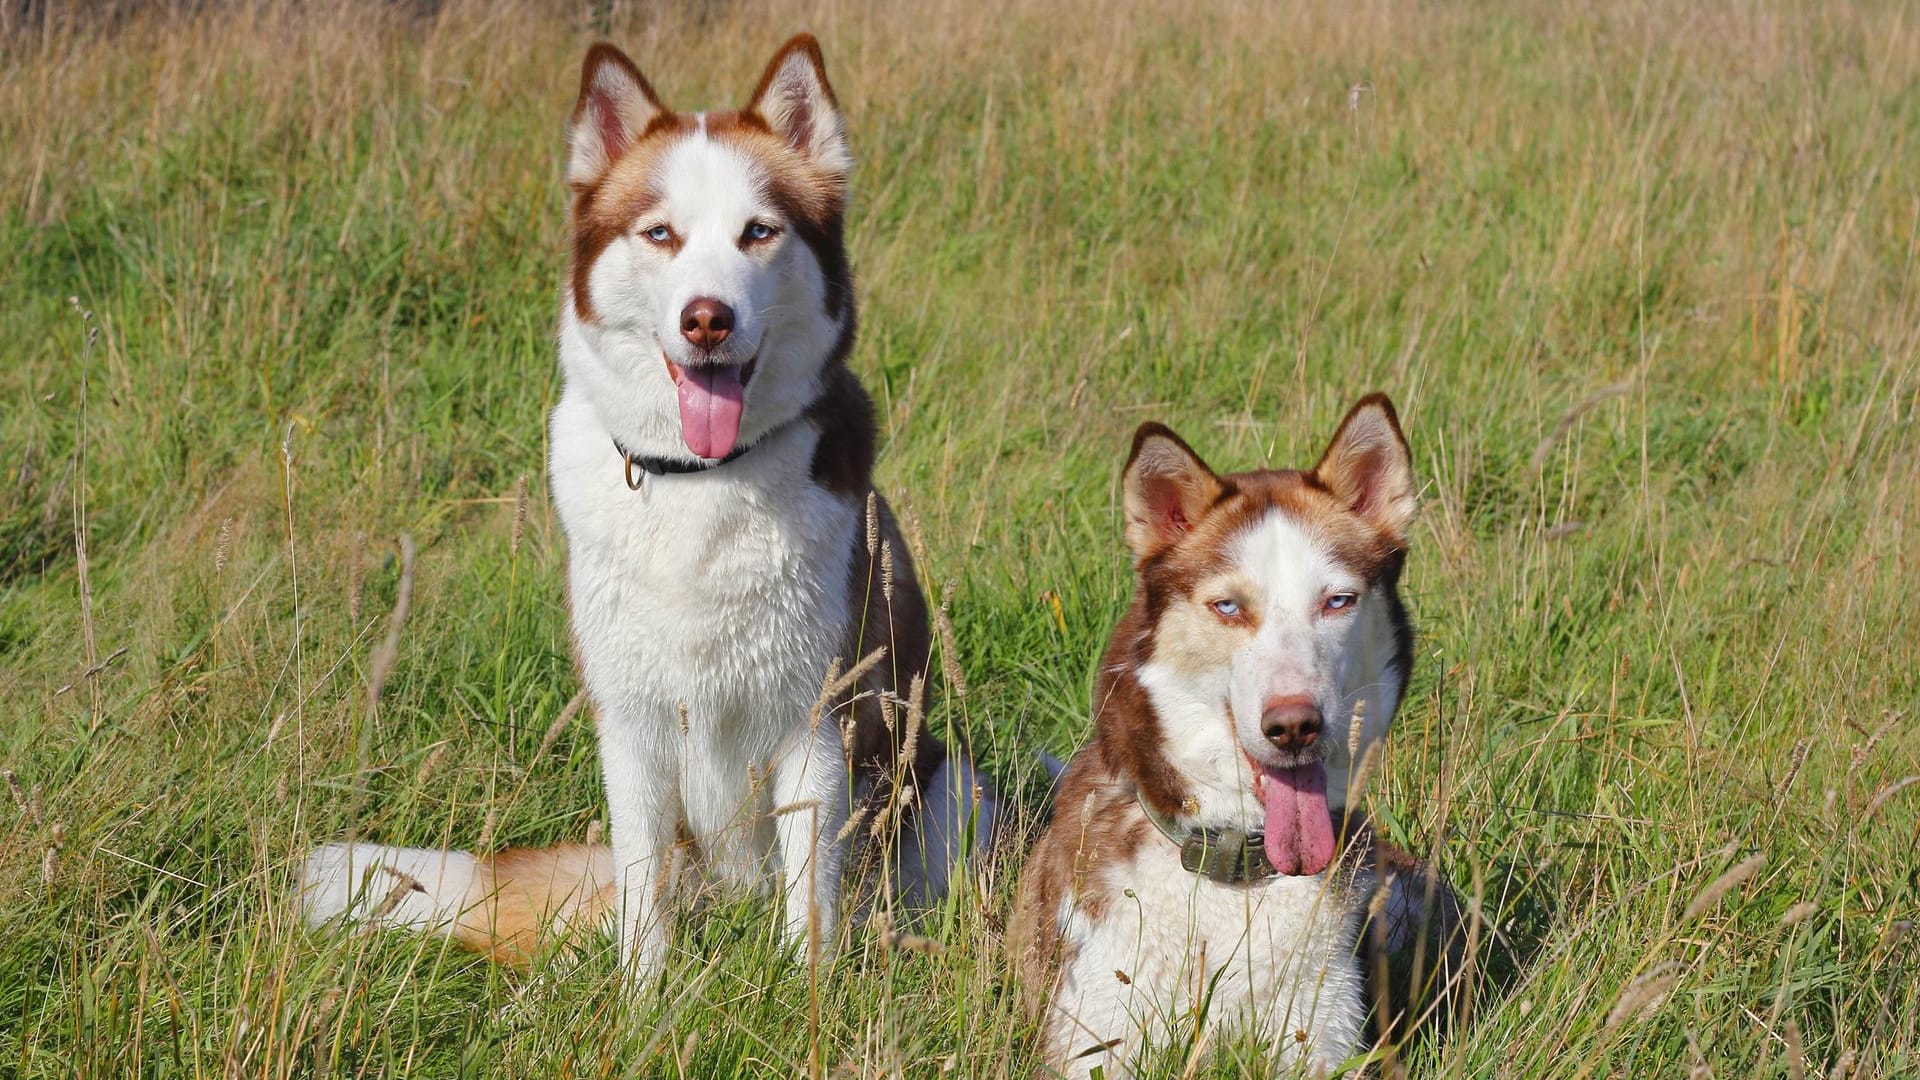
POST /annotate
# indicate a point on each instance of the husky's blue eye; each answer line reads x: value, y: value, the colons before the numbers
x: 1226, y: 609
x: 758, y: 230
x: 659, y: 234
x: 1341, y: 601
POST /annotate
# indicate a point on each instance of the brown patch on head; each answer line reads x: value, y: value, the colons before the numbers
x: 1368, y: 469
x: 1183, y: 519
x: 791, y: 128
x: 618, y: 130
x: 1354, y: 541
x: 810, y: 198
x: 1184, y: 523
x: 1193, y: 636
x: 602, y: 212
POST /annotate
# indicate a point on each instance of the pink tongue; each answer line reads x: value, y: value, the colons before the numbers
x: 1299, y: 828
x: 710, y: 403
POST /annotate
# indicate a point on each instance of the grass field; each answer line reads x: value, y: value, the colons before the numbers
x: 280, y: 288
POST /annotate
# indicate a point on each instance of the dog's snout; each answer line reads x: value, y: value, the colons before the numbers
x: 706, y: 322
x: 1291, y: 723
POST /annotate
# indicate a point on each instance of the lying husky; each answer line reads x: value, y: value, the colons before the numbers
x: 1192, y: 874
x: 712, y: 464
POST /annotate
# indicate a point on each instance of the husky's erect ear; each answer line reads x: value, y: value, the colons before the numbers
x: 797, y: 103
x: 1167, y: 489
x: 614, y: 109
x: 1367, y: 466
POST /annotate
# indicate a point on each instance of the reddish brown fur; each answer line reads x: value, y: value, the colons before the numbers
x: 812, y: 199
x: 850, y: 437
x: 1172, y: 567
x: 1181, y: 520
x: 522, y: 895
x: 813, y: 202
x: 1095, y: 825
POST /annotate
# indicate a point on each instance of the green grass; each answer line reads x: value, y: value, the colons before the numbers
x: 1641, y: 280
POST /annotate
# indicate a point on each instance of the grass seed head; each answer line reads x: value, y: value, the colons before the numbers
x: 356, y: 571
x: 1793, y: 770
x: 431, y: 762
x: 1879, y: 800
x: 223, y: 544
x: 1723, y: 885
x: 822, y: 699
x: 853, y: 824
x: 1865, y: 750
x: 29, y: 805
x: 916, y: 718
x: 519, y: 514
x: 1363, y: 771
x: 886, y: 571
x: 1644, y: 994
x: 1799, y: 913
x: 949, y: 645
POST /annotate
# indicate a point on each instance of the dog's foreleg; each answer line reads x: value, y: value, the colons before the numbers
x: 643, y: 807
x: 810, y: 794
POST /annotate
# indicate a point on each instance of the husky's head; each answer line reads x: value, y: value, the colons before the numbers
x: 1266, y: 618
x: 709, y: 276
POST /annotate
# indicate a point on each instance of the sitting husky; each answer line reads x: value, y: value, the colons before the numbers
x: 733, y: 578
x: 1193, y: 873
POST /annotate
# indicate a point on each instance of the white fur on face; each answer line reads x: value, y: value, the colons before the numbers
x: 711, y: 191
x: 1299, y: 649
x: 1211, y: 716
x: 1211, y: 712
x: 1199, y: 741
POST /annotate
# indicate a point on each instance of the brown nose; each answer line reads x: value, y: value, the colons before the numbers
x: 1291, y: 723
x: 706, y: 322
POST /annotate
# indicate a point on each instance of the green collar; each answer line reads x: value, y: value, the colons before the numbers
x: 1227, y: 856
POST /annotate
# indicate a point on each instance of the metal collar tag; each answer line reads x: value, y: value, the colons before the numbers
x: 1226, y: 856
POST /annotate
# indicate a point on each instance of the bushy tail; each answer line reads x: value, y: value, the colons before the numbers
x: 953, y: 828
x: 503, y: 904
x: 506, y: 904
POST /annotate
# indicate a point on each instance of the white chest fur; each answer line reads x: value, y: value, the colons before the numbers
x: 723, y: 594
x: 1173, y: 949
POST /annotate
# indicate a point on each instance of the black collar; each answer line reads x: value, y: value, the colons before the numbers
x: 659, y: 466
x: 1227, y: 856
